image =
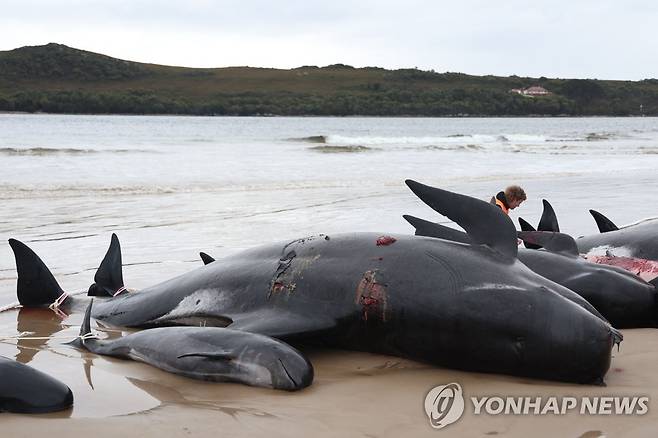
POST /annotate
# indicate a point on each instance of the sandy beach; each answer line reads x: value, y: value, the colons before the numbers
x: 354, y: 394
x: 200, y: 186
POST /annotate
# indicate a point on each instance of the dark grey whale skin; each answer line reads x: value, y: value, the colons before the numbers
x: 26, y: 390
x: 639, y: 241
x: 209, y: 353
x: 470, y: 307
x: 623, y: 298
x: 449, y: 304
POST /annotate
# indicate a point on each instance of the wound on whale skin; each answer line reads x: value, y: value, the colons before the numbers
x: 371, y: 295
x: 647, y: 270
x: 385, y: 240
x: 278, y: 284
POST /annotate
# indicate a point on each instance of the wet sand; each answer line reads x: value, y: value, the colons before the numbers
x: 354, y: 394
x: 174, y: 196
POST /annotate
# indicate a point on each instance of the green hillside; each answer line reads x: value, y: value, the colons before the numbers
x: 59, y: 79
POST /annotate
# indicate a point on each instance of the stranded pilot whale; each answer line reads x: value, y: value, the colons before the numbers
x: 466, y: 306
x: 638, y: 240
x: 26, y: 390
x: 633, y: 247
x: 623, y: 298
x: 208, y: 353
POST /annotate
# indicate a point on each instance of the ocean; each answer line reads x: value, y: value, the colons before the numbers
x: 173, y: 186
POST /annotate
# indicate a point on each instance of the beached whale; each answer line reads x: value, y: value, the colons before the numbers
x: 623, y: 298
x: 208, y: 353
x: 633, y: 247
x: 26, y: 390
x: 639, y: 240
x: 472, y: 307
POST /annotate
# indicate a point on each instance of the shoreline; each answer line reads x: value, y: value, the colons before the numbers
x: 270, y: 116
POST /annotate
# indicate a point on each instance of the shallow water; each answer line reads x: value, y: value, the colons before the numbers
x: 173, y: 186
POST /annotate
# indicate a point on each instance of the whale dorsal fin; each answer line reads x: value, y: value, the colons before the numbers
x: 36, y: 285
x: 206, y: 258
x: 603, y: 222
x: 548, y: 220
x: 85, y: 329
x: 432, y: 229
x: 484, y: 222
x: 109, y: 276
x: 525, y: 226
x: 554, y: 242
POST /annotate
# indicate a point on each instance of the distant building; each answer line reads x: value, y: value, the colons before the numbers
x: 536, y: 91
x: 531, y: 91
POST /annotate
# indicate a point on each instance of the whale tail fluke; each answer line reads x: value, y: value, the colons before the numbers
x: 36, y: 285
x: 108, y: 280
x: 206, y: 258
x: 605, y: 225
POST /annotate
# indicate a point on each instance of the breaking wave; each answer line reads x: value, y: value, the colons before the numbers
x: 464, y: 147
x: 41, y: 151
x: 341, y: 149
x: 311, y: 139
x: 552, y: 144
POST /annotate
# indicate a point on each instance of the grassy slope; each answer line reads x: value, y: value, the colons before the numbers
x: 51, y: 69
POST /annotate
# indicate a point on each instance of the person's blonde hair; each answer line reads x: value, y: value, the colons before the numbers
x: 515, y: 193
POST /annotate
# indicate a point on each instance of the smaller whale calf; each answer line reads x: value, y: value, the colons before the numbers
x: 208, y: 353
x: 25, y: 390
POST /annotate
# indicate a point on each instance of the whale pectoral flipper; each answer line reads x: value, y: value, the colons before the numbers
x: 278, y: 323
x: 217, y: 355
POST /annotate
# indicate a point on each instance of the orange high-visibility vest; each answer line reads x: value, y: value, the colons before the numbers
x: 502, y: 206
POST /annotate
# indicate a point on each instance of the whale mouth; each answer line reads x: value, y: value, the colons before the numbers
x: 617, y: 337
x: 290, y: 377
x: 193, y: 321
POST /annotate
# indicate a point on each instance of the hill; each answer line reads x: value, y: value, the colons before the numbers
x: 58, y: 79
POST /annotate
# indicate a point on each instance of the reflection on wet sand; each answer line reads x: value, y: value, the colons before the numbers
x: 40, y: 323
x: 354, y: 393
x: 170, y: 396
x: 101, y: 393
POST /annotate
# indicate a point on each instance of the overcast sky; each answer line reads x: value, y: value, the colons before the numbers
x: 602, y: 39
